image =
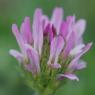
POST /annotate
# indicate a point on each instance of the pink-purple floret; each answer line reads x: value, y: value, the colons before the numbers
x: 65, y: 38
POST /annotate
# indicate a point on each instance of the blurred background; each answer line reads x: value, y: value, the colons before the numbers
x: 14, y: 11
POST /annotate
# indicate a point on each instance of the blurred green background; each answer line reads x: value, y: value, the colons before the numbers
x: 14, y: 11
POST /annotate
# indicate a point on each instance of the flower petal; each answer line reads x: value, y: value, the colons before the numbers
x: 70, y: 21
x: 85, y: 49
x: 69, y: 76
x: 34, y: 59
x: 79, y: 27
x: 80, y: 65
x: 64, y: 29
x: 18, y: 37
x: 16, y: 55
x: 37, y: 31
x: 45, y: 22
x: 76, y: 50
x: 56, y: 47
x: 76, y: 59
x: 26, y: 31
x: 69, y: 44
x: 57, y: 18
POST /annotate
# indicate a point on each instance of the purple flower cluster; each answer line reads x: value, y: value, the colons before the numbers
x: 61, y: 38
